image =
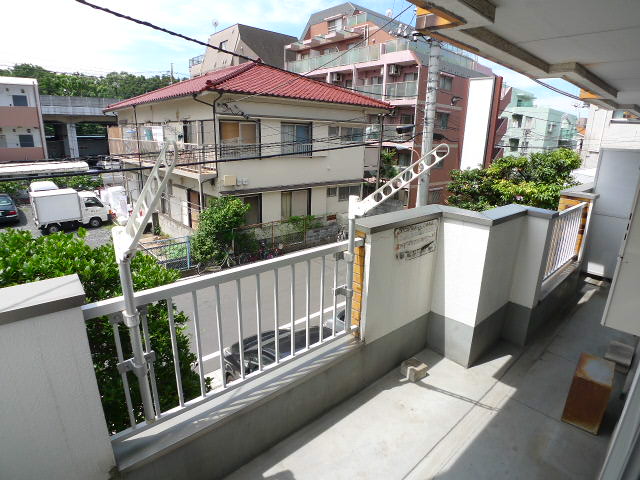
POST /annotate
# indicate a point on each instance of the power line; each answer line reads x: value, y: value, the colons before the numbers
x: 557, y: 90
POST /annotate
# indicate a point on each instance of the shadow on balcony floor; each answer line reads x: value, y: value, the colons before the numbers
x: 497, y: 420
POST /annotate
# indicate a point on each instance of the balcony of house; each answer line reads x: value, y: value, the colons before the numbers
x: 491, y: 303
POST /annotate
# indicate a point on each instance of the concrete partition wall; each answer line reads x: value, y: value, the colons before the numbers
x: 52, y: 423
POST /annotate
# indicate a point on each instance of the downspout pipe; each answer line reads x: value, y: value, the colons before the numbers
x: 215, y: 140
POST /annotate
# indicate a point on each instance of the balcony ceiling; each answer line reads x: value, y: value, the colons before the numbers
x: 589, y: 43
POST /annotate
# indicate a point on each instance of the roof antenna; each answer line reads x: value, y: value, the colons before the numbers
x: 215, y: 25
x: 389, y: 13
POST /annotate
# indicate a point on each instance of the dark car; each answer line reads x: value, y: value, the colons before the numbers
x: 232, y: 354
x: 8, y: 210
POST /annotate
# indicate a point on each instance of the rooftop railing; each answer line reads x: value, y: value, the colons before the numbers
x: 196, y: 60
x: 272, y: 337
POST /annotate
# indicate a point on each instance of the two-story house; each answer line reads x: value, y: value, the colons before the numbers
x: 355, y: 47
x: 286, y: 144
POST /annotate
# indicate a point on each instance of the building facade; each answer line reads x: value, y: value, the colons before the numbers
x: 22, y: 135
x: 296, y: 150
x: 360, y: 49
x: 249, y: 41
x: 609, y: 129
x: 534, y: 129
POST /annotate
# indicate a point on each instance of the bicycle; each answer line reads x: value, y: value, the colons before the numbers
x: 342, y: 234
x: 211, y: 265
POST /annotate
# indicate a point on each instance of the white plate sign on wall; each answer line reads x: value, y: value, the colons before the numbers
x: 416, y: 240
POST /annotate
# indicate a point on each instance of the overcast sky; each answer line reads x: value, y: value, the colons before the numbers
x: 65, y: 36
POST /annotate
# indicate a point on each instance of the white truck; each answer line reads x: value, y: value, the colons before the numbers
x: 53, y: 210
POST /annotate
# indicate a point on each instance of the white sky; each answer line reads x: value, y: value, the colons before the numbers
x: 66, y: 36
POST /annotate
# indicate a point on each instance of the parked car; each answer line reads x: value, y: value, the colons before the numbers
x: 232, y: 354
x: 8, y: 209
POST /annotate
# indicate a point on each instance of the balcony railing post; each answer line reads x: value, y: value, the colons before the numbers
x: 132, y: 321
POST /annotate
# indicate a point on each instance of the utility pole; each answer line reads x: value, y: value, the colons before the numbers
x: 433, y: 80
x: 171, y: 73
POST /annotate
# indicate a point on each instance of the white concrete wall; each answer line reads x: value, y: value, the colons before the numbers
x: 603, y: 131
x: 462, y: 249
x: 52, y: 421
x: 319, y: 201
x: 501, y: 256
x: 528, y: 261
x: 12, y: 138
x: 10, y: 86
x: 397, y: 292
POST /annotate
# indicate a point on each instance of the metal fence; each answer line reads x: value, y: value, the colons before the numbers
x: 171, y: 252
x: 291, y: 234
x: 565, y: 237
x: 267, y: 340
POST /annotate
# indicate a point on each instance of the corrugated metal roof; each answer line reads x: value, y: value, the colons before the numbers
x: 255, y: 78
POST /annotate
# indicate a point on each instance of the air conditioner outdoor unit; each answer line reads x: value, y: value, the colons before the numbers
x: 335, y: 77
x: 394, y: 70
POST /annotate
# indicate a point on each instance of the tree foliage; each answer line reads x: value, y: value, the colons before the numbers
x: 112, y: 85
x: 24, y: 258
x: 216, y: 230
x: 77, y: 182
x: 535, y: 181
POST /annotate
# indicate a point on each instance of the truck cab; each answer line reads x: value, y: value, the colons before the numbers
x: 94, y: 212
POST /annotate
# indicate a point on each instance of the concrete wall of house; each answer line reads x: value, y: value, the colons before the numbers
x: 52, y: 421
x: 604, y: 131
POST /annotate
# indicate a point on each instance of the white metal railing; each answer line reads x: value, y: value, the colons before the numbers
x: 563, y: 247
x: 401, y: 90
x: 191, y: 156
x: 274, y: 341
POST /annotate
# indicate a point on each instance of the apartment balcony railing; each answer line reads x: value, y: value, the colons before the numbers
x: 373, y: 52
x: 192, y: 157
x: 237, y: 150
x: 373, y: 90
x: 401, y: 90
x: 196, y: 60
x: 566, y: 239
x: 356, y: 19
x: 279, y: 341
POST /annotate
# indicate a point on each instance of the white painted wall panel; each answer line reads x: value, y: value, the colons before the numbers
x: 477, y: 122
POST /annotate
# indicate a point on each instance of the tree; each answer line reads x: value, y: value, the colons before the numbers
x: 216, y: 228
x: 24, y: 258
x: 535, y: 181
x: 388, y: 164
x: 112, y: 85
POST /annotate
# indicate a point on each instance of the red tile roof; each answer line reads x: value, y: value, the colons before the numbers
x: 253, y: 78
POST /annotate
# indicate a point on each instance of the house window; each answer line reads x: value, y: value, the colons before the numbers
x: 223, y: 44
x: 411, y: 77
x: 377, y: 80
x: 404, y: 158
x: 254, y: 214
x: 26, y: 141
x: 528, y: 122
x: 352, y: 134
x: 3, y: 141
x: 332, y: 191
x: 346, y: 191
x: 514, y: 143
x: 516, y: 121
x: 334, y: 132
x: 442, y: 120
x: 446, y: 82
x: 20, y: 101
x: 435, y: 196
x: 239, y: 139
x: 296, y: 138
x: 550, y: 128
x: 406, y: 118
x: 335, y: 24
x: 188, y: 132
x: 348, y: 83
x: 295, y: 203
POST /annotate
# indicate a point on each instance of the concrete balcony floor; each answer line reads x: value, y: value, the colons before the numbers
x: 497, y: 420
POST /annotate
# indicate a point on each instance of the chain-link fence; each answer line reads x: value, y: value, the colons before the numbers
x: 173, y: 253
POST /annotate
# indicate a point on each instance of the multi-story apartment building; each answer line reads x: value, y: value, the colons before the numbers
x: 357, y: 48
x: 537, y: 129
x: 21, y: 128
x: 253, y: 131
x: 249, y: 41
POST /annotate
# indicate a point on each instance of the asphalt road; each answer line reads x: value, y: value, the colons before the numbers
x: 95, y: 236
x: 230, y: 335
